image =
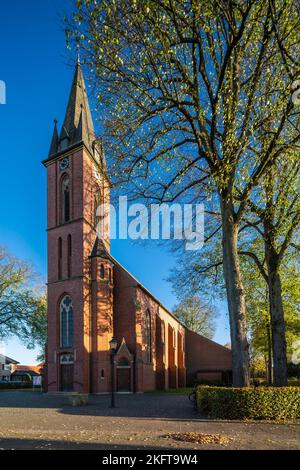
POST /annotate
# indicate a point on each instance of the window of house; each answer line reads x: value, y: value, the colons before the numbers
x: 66, y: 322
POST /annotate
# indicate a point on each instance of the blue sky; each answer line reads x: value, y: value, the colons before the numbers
x: 37, y: 69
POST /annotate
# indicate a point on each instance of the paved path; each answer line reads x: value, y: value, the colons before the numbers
x: 34, y: 420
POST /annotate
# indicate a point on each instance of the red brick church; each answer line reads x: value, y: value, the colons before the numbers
x: 92, y: 298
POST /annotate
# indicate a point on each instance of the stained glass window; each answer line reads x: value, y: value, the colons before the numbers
x: 66, y: 322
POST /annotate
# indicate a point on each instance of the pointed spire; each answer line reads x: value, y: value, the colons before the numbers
x: 78, y: 54
x: 78, y: 124
x: 54, y: 143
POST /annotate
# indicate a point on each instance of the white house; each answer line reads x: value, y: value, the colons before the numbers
x: 6, y: 367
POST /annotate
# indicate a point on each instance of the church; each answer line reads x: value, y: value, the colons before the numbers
x: 92, y: 299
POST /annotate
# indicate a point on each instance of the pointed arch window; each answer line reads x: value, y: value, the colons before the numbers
x: 65, y: 199
x: 66, y: 322
x: 148, y: 337
x: 163, y: 337
x: 97, y: 209
x: 102, y: 271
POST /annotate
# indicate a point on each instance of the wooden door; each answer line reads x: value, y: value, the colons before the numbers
x: 66, y: 377
x: 123, y: 379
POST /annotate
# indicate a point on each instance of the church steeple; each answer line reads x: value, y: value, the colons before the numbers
x: 78, y: 124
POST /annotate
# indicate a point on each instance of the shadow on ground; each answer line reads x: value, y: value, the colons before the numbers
x: 171, y: 407
x: 36, y: 444
x: 141, y: 405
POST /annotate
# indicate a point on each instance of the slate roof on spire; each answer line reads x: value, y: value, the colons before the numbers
x: 78, y: 124
x: 77, y: 127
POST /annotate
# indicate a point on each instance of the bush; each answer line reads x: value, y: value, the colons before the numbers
x: 249, y: 403
x: 4, y: 385
x: 78, y: 399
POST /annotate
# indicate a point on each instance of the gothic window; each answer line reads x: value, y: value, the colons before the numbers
x: 101, y: 271
x: 66, y: 359
x: 163, y: 334
x: 109, y: 275
x: 66, y: 322
x: 65, y: 199
x: 69, y: 255
x: 59, y: 258
x: 148, y: 337
x: 96, y: 209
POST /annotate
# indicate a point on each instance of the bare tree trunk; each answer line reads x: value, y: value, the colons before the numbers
x: 278, y: 326
x: 235, y: 298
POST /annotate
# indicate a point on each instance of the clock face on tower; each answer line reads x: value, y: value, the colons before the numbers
x: 63, y: 164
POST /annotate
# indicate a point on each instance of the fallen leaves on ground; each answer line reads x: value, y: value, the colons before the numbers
x: 200, y: 438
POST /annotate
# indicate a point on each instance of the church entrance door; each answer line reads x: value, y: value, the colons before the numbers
x: 66, y: 377
x: 123, y: 379
x: 66, y: 372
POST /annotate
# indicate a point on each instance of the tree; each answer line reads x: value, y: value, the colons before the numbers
x: 196, y: 315
x: 36, y: 334
x: 187, y: 88
x: 258, y: 307
x: 276, y: 220
x: 200, y: 275
x: 22, y: 306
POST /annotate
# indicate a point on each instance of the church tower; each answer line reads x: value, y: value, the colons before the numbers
x: 76, y: 185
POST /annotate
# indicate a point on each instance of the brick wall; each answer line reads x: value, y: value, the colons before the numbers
x: 75, y: 271
x: 204, y: 354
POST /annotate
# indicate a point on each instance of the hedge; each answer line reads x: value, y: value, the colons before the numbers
x: 249, y: 402
x: 14, y: 385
